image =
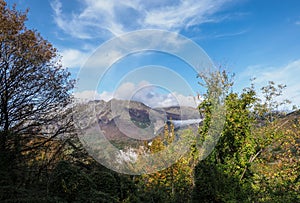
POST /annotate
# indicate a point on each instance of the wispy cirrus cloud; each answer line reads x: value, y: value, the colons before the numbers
x: 233, y: 34
x: 112, y: 18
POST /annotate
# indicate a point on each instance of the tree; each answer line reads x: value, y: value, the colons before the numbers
x: 223, y: 175
x: 175, y: 183
x: 277, y: 166
x: 256, y: 158
x: 34, y: 86
x: 268, y: 108
x: 34, y: 92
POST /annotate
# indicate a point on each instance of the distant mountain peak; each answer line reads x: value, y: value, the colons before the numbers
x: 122, y: 118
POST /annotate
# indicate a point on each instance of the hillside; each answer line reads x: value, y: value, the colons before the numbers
x: 119, y: 119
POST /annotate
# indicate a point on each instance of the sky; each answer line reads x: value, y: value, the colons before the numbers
x: 251, y: 38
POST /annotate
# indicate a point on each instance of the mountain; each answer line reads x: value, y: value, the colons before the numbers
x: 122, y: 119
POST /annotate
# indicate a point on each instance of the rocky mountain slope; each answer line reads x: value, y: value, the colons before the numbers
x: 119, y: 119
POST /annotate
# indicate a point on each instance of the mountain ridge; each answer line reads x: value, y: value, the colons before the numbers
x: 119, y: 119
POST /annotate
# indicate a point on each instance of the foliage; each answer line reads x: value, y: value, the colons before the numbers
x: 221, y: 177
x: 175, y: 183
x: 257, y: 155
x: 72, y: 185
x: 276, y: 136
x: 34, y: 92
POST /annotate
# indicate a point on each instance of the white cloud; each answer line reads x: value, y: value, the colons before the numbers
x: 297, y: 22
x: 151, y: 96
x: 233, y: 34
x: 73, y: 58
x: 87, y: 95
x: 129, y: 90
x: 103, y: 60
x: 117, y: 17
x: 184, y: 14
x: 106, y: 96
x: 280, y: 75
x: 142, y: 92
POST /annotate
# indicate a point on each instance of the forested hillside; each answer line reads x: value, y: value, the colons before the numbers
x: 256, y: 157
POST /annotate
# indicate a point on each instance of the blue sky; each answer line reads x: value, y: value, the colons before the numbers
x: 251, y: 38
